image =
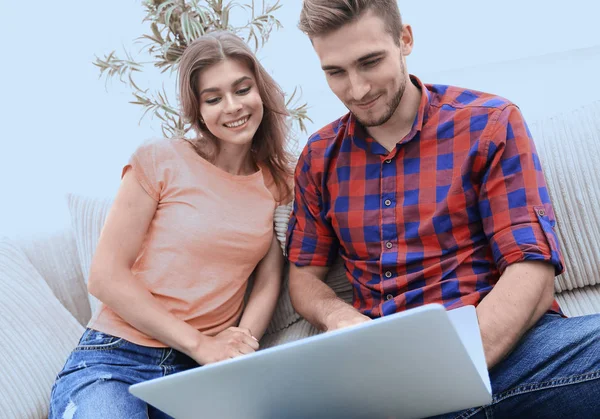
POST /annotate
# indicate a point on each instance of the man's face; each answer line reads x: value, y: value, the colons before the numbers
x: 365, y: 67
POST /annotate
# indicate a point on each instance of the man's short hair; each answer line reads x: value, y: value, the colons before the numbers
x: 320, y: 17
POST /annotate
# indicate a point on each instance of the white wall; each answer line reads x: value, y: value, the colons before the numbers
x: 541, y: 85
x: 62, y: 131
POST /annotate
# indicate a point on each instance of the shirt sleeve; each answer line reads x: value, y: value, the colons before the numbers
x: 514, y: 203
x: 143, y: 163
x: 311, y: 240
x: 282, y: 194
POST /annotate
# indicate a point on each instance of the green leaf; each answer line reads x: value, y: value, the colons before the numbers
x: 184, y: 26
x: 168, y: 15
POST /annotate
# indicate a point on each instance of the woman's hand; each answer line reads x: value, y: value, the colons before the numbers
x: 230, y: 343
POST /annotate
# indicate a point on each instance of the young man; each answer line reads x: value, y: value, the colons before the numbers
x: 434, y: 194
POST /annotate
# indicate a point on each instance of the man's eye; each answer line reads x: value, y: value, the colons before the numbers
x: 372, y: 63
x: 334, y: 73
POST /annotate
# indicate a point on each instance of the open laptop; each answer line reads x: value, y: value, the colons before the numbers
x: 417, y: 363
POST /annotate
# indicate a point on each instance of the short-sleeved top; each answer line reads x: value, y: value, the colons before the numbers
x: 209, y: 232
x: 437, y: 219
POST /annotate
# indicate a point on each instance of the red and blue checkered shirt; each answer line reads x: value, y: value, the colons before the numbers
x: 437, y: 219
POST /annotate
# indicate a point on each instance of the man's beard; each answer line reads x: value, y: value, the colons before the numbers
x: 392, y: 105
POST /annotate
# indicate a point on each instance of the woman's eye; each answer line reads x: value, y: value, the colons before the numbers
x: 212, y: 101
x: 244, y: 91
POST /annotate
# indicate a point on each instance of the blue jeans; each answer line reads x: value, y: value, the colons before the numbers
x: 554, y: 372
x: 95, y: 380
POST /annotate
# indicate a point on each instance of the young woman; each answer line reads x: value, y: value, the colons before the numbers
x: 191, y: 222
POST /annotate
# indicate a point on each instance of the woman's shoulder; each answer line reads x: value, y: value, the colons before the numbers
x: 158, y: 150
x: 159, y: 145
x: 282, y: 193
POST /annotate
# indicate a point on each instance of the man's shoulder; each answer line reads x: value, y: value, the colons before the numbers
x: 328, y: 135
x: 461, y: 98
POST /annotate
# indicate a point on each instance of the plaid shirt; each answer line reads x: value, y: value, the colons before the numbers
x: 436, y: 220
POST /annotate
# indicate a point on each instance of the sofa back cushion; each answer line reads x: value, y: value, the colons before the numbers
x: 55, y: 257
x: 36, y: 336
x: 87, y: 218
x: 568, y: 148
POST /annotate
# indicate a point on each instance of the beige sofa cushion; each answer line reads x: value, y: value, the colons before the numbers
x: 568, y: 148
x: 580, y: 301
x: 87, y: 218
x: 36, y: 336
x: 55, y: 257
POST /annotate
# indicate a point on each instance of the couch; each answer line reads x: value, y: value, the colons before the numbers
x: 45, y: 303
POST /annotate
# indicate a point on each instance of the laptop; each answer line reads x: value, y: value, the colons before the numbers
x: 418, y: 363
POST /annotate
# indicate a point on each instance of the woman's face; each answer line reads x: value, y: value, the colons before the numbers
x: 230, y: 103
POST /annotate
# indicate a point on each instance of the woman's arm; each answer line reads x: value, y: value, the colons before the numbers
x: 113, y: 283
x: 264, y: 295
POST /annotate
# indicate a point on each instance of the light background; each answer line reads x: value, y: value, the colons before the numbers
x: 62, y: 130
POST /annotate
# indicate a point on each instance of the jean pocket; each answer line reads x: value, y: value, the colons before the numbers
x: 95, y: 340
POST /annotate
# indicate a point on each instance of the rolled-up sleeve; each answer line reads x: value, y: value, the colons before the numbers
x: 311, y: 240
x: 514, y: 203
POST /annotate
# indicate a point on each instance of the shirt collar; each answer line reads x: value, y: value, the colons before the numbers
x: 363, y: 140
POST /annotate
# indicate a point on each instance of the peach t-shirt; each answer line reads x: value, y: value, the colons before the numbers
x: 210, y: 230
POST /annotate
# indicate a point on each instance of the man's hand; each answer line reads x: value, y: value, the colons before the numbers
x: 230, y: 343
x: 344, y: 317
x: 317, y: 302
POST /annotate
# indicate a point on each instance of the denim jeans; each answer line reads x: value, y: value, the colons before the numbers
x: 554, y: 372
x: 95, y: 380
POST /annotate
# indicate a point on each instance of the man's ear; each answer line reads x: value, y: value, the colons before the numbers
x: 406, y: 40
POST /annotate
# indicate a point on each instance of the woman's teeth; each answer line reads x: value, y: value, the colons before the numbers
x: 238, y: 123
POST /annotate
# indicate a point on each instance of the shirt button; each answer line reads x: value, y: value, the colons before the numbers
x: 541, y: 213
x: 387, y: 202
x: 389, y: 297
x: 388, y: 274
x: 389, y: 245
x: 388, y: 161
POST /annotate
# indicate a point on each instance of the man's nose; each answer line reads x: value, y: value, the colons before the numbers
x: 359, y: 87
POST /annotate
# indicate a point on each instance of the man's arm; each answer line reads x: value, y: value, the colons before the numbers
x: 522, y: 295
x: 518, y: 221
x: 317, y: 302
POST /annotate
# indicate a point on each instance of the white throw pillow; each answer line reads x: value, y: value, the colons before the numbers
x: 87, y: 218
x: 37, y: 335
x: 54, y: 256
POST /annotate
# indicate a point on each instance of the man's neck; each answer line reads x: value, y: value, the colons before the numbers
x: 400, y: 124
